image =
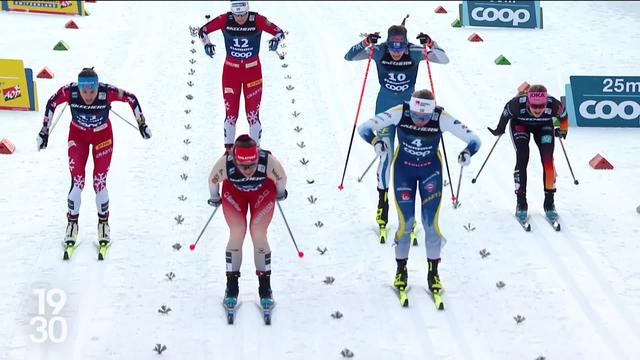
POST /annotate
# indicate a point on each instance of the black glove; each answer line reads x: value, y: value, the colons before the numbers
x: 372, y: 39
x: 282, y: 196
x: 144, y: 129
x: 425, y: 40
x: 210, y: 50
x: 42, y: 140
x: 560, y: 133
x: 215, y: 202
x: 495, y: 132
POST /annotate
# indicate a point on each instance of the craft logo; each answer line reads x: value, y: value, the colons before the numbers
x: 11, y: 93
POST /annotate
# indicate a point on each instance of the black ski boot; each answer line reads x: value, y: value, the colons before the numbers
x: 232, y: 291
x: 71, y: 234
x: 549, y: 206
x: 264, y: 289
x: 382, y: 214
x: 521, y: 206
x: 401, y: 274
x: 433, y: 279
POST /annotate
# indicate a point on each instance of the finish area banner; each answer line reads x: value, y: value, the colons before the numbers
x: 47, y: 7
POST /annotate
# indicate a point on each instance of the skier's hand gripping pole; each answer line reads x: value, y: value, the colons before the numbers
x: 355, y: 122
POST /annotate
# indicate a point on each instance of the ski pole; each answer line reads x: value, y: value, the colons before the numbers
x: 355, y: 122
x: 300, y: 253
x: 444, y: 149
x: 456, y: 204
x: 55, y: 122
x: 568, y: 163
x: 193, y: 246
x: 473, y: 181
x: 123, y: 119
x: 367, y: 169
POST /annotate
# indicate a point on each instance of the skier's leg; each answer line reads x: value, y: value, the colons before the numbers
x: 252, y: 88
x: 430, y: 186
x: 383, y: 175
x: 102, y: 150
x: 263, y: 203
x: 520, y: 137
x: 78, y: 152
x: 404, y: 187
x: 234, y: 207
x: 545, y: 141
x: 231, y: 87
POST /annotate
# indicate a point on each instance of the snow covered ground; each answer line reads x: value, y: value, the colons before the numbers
x: 579, y: 289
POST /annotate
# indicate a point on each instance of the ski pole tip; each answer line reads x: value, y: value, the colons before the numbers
x: 340, y: 187
x: 300, y: 254
x: 192, y: 247
x: 473, y: 181
x: 576, y: 182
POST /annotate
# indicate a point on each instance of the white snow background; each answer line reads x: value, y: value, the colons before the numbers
x: 578, y: 289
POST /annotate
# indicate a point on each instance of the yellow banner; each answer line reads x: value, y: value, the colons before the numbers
x: 13, y: 85
x: 74, y: 7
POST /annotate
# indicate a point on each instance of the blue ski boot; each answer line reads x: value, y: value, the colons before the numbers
x: 522, y: 207
x: 231, y: 293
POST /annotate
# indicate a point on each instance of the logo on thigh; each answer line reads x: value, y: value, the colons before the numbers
x: 231, y: 201
x: 546, y: 139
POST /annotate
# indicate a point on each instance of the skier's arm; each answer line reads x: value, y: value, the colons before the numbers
x: 275, y: 172
x: 60, y: 96
x: 507, y: 114
x: 380, y: 121
x: 116, y: 94
x: 263, y: 24
x: 561, y: 113
x: 360, y: 51
x: 436, y: 54
x: 213, y: 25
x: 461, y: 131
x: 217, y: 176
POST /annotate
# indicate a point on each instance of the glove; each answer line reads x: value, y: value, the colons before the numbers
x: 282, y: 195
x: 560, y: 133
x: 381, y: 146
x: 215, y: 201
x: 464, y: 158
x: 144, y: 129
x: 275, y: 41
x: 371, y: 39
x: 210, y: 50
x: 43, y: 139
x: 495, y: 132
x: 425, y: 40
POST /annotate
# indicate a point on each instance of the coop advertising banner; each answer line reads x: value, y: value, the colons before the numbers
x: 17, y: 86
x: 48, y: 7
x: 604, y: 101
x: 505, y: 14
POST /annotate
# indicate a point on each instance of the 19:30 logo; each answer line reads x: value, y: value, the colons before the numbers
x: 54, y: 329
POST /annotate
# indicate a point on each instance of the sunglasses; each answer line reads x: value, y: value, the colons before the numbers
x: 537, y: 107
x: 420, y: 118
x: 240, y: 14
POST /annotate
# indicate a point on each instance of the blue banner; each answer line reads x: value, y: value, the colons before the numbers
x: 604, y: 101
x: 505, y: 14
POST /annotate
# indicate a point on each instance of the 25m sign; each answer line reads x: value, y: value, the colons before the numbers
x: 505, y: 14
x: 606, y: 101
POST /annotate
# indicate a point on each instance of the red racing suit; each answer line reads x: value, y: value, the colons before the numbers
x: 242, y: 70
x: 90, y: 127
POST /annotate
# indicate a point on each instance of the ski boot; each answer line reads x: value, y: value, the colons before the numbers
x: 382, y: 214
x: 433, y: 279
x: 231, y: 293
x: 71, y: 234
x: 522, y: 207
x: 264, y: 289
x: 401, y: 275
x: 414, y: 238
x: 549, y: 206
x: 104, y: 237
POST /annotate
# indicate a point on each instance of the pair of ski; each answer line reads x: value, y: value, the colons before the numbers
x: 436, y: 296
x: 265, y: 308
x: 70, y: 247
x: 526, y: 226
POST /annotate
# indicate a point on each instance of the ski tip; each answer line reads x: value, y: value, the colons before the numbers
x: 441, y: 306
x: 405, y: 303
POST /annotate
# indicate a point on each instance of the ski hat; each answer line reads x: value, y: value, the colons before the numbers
x: 397, y: 38
x: 239, y: 8
x: 422, y: 106
x: 88, y: 79
x: 245, y: 150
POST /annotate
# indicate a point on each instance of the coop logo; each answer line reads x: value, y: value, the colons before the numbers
x: 608, y: 109
x: 11, y: 93
x: 604, y: 101
x: 510, y: 14
x: 505, y: 15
